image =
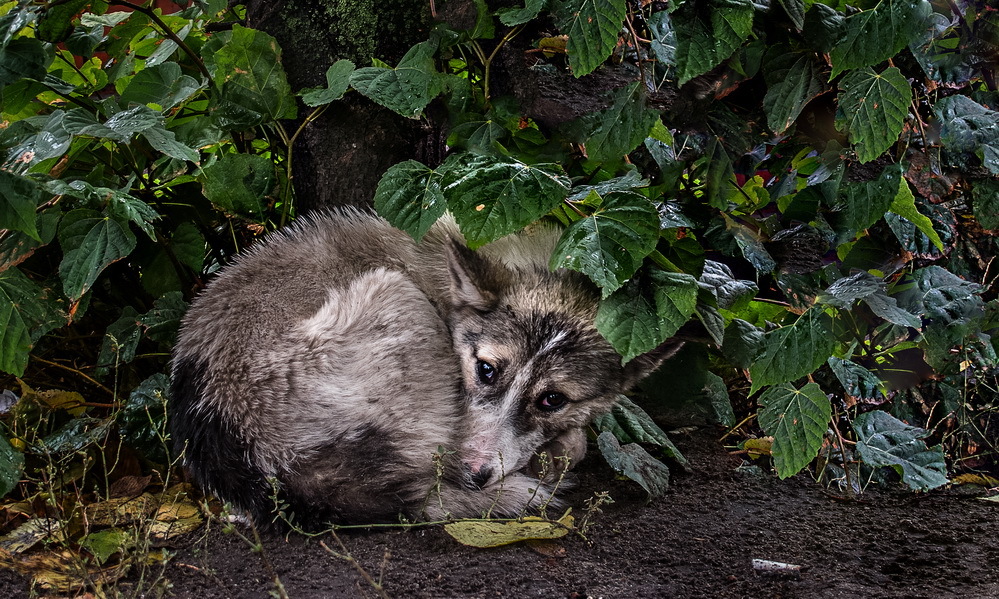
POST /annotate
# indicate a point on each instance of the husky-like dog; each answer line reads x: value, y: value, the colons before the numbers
x: 340, y: 357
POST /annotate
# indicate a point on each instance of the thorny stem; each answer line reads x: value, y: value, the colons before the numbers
x: 170, y: 34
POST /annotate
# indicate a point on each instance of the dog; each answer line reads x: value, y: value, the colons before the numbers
x: 349, y: 374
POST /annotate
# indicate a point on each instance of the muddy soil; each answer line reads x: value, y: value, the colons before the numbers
x: 697, y: 541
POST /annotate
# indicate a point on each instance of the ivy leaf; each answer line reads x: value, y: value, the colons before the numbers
x: 609, y: 245
x: 239, y: 184
x: 406, y: 89
x: 246, y: 65
x: 106, y: 242
x: 337, y: 82
x: 409, y: 196
x: 883, y: 440
x: 967, y: 126
x: 872, y: 109
x: 797, y: 420
x: 645, y: 313
x: 511, y: 17
x: 792, y: 82
x: 708, y: 33
x: 875, y: 35
x: 491, y: 198
x: 793, y: 351
x: 633, y: 461
x: 618, y: 129
x: 163, y: 85
x: 19, y: 197
x: 592, y: 27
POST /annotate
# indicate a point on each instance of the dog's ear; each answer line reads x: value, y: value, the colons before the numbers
x: 476, y: 282
x: 642, y: 366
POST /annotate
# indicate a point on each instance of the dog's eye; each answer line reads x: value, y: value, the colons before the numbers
x: 550, y: 401
x: 486, y: 371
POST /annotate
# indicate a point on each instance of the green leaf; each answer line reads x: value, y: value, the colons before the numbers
x: 121, y: 339
x: 872, y: 109
x: 792, y: 82
x: 797, y: 420
x: 11, y: 466
x: 592, y: 27
x: 406, y: 89
x: 26, y: 313
x: 23, y: 58
x: 857, y: 381
x: 511, y: 17
x: 163, y: 321
x: 663, y: 38
x: 904, y: 205
x: 708, y: 33
x: 629, y: 423
x: 985, y: 194
x: 103, y: 544
x: 794, y: 350
x: 967, y: 126
x: 609, y: 245
x: 19, y: 197
x: 618, y: 129
x: 491, y: 198
x: 106, y: 242
x: 166, y: 141
x: 163, y: 85
x: 844, y: 292
x: 75, y: 435
x: 645, y: 313
x: 823, y: 27
x: 865, y: 203
x: 795, y: 10
x: 409, y: 196
x: 142, y: 423
x: 743, y: 343
x: 337, y: 82
x: 940, y: 295
x: 633, y: 461
x: 728, y: 291
x: 239, y: 184
x: 247, y: 68
x: 883, y: 440
x: 186, y: 246
x: 875, y: 35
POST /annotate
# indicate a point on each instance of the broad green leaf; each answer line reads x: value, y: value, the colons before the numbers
x: 904, y: 205
x: 857, y: 381
x: 592, y: 27
x: 797, y: 420
x: 934, y: 51
x: 795, y: 10
x: 496, y: 533
x: 11, y: 466
x: 406, y: 89
x: 872, y: 109
x: 727, y: 290
x: 631, y: 424
x: 491, y: 198
x: 163, y: 321
x: 967, y: 126
x: 51, y: 140
x: 19, y: 197
x: 337, y: 82
x: 240, y: 184
x: 76, y: 434
x: 26, y: 313
x: 793, y: 82
x: 865, y: 203
x: 633, y: 461
x: 844, y: 292
x: 102, y: 544
x: 794, y: 350
x: 707, y: 33
x: 875, y: 35
x: 121, y: 339
x: 106, y: 242
x: 512, y: 17
x: 985, y: 194
x: 646, y: 312
x: 246, y: 66
x: 743, y: 343
x: 186, y: 246
x: 883, y: 440
x: 163, y: 85
x: 940, y: 295
x: 823, y: 27
x: 56, y: 22
x: 409, y: 196
x: 142, y: 422
x: 618, y: 129
x: 610, y: 244
x: 166, y: 141
x: 663, y: 39
x: 23, y: 58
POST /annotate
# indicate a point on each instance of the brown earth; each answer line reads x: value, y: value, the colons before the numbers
x: 697, y: 541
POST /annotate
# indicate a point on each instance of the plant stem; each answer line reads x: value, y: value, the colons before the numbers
x: 170, y: 34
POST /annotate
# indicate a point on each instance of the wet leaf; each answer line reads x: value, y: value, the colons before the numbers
x: 406, y: 89
x: 75, y: 435
x: 793, y: 80
x: 875, y: 35
x: 409, y: 196
x: 873, y: 109
x: 633, y: 461
x: 163, y: 85
x: 797, y: 421
x: 26, y: 313
x: 743, y: 343
x: 857, y: 381
x: 19, y: 197
x: 618, y: 129
x: 708, y: 34
x: 105, y: 242
x: 30, y: 533
x: 240, y: 184
x: 11, y: 467
x: 794, y: 350
x: 512, y: 17
x: 883, y: 440
x: 592, y: 27
x: 967, y: 126
x: 337, y: 82
x: 494, y: 533
x: 142, y: 422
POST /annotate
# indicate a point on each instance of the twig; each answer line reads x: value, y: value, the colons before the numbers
x: 732, y: 430
x: 347, y: 557
x: 74, y: 371
x: 170, y: 34
x: 842, y: 450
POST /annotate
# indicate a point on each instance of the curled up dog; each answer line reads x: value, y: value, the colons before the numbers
x: 372, y: 376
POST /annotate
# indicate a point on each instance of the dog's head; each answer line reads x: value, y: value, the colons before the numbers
x: 534, y: 367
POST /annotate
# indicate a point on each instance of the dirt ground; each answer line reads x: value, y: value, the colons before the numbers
x: 697, y: 541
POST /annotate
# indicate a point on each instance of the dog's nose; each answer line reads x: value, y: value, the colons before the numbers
x: 480, y: 478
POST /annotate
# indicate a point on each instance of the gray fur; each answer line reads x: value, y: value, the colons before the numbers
x: 339, y: 357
